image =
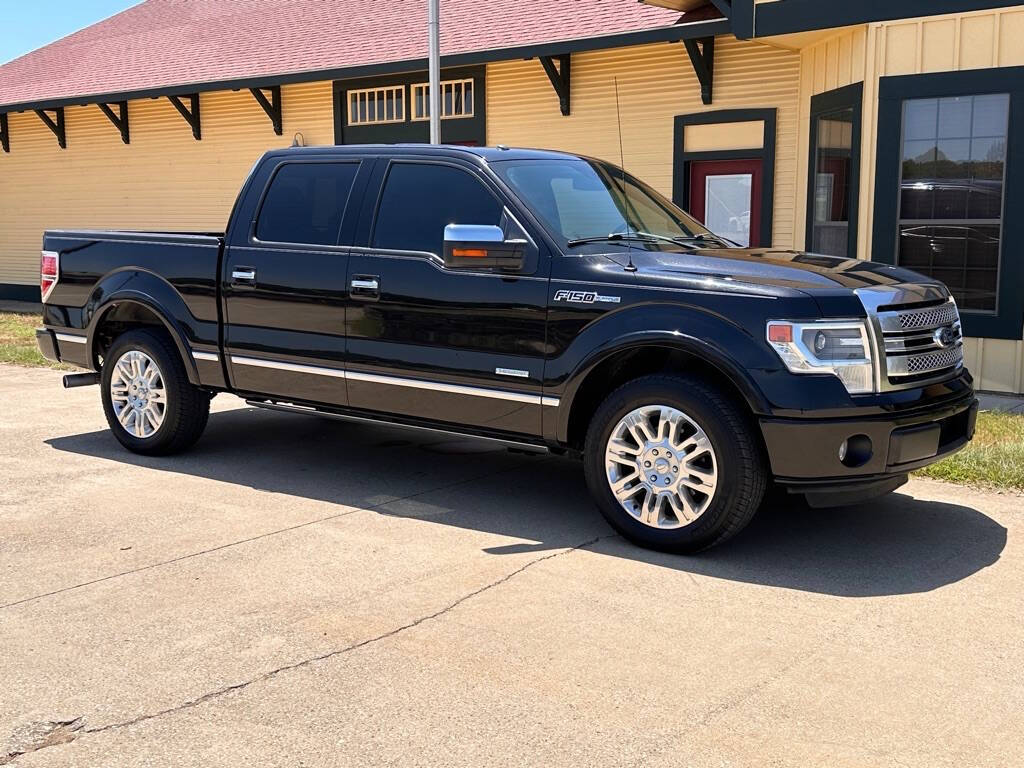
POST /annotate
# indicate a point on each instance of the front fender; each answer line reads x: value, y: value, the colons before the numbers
x: 714, y: 339
x: 148, y: 290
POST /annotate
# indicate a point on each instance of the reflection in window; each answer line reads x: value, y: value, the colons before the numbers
x: 833, y: 163
x: 727, y: 200
x: 951, y: 193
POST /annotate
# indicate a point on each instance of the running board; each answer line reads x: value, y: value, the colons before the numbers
x: 293, y: 408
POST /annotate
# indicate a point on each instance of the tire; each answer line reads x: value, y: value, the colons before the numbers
x: 727, y: 454
x: 185, y: 410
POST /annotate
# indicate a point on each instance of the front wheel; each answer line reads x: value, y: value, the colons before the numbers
x: 673, y: 465
x: 150, y: 405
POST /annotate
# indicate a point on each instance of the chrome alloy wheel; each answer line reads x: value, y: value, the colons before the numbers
x: 661, y: 467
x: 137, y: 394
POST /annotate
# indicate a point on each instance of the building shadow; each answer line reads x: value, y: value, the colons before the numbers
x: 897, y: 545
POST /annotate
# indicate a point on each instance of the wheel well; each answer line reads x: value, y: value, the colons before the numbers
x: 625, y: 366
x: 123, y: 317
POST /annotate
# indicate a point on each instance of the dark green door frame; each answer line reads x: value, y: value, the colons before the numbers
x: 850, y: 96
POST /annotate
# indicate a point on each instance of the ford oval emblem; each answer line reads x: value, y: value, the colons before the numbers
x: 944, y: 337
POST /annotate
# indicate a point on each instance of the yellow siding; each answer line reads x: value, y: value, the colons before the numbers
x: 935, y: 44
x: 723, y: 136
x: 164, y: 179
x: 656, y: 82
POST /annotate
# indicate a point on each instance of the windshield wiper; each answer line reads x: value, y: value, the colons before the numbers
x: 702, y: 237
x: 633, y: 236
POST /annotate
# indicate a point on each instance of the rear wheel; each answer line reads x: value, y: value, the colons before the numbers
x: 150, y: 405
x: 672, y: 464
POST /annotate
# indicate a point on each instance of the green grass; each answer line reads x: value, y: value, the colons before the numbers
x: 994, y: 459
x: 18, y: 341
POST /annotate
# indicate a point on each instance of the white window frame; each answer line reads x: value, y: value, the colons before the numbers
x: 424, y: 89
x: 378, y: 97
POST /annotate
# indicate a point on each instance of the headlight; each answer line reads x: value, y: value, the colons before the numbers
x: 841, y: 348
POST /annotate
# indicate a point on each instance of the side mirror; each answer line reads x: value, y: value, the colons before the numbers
x: 479, y: 246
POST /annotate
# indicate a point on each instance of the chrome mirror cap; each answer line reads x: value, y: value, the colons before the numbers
x: 473, y: 233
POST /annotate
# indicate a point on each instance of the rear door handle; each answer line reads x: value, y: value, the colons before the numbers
x: 243, y: 276
x: 365, y: 286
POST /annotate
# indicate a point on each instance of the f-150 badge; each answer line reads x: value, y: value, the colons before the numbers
x: 585, y: 297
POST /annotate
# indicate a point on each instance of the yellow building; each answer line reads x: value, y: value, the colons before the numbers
x: 884, y: 130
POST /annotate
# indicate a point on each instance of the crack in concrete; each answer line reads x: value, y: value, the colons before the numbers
x: 79, y: 731
x: 250, y: 539
x: 38, y: 736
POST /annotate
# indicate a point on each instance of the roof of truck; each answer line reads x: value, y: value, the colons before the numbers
x: 488, y: 154
x: 170, y: 45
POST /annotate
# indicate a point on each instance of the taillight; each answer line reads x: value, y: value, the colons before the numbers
x: 49, y: 272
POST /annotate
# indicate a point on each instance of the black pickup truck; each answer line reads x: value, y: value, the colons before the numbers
x: 531, y: 297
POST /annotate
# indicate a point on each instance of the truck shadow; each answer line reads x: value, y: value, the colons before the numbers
x: 898, y: 545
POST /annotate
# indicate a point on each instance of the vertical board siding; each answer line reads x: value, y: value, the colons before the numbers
x: 914, y: 46
x: 656, y: 83
x: 164, y: 179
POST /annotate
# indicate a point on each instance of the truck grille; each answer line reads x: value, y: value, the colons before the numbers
x: 932, y: 317
x: 921, y: 343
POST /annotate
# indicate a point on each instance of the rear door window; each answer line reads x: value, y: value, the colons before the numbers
x: 305, y: 203
x: 419, y: 200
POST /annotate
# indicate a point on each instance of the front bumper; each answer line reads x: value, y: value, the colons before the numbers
x: 805, y: 453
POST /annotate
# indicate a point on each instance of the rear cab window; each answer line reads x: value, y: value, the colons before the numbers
x: 305, y: 203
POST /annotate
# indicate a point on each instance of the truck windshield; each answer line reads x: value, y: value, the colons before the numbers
x: 585, y: 201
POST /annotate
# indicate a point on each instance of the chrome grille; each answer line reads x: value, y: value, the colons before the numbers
x: 918, y: 342
x: 932, y: 317
x: 914, y: 365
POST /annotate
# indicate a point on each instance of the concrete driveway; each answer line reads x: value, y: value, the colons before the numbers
x: 303, y: 592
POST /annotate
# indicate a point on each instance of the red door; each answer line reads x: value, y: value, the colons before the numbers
x: 725, y: 195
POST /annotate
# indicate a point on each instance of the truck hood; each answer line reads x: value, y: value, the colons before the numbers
x: 766, y: 271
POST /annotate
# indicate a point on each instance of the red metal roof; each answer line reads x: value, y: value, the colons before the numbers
x: 166, y: 43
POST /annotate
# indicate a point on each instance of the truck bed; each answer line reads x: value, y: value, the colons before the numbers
x: 175, y: 274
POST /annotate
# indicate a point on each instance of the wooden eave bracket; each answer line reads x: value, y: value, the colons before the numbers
x: 560, y: 77
x: 702, y: 56
x: 724, y: 7
x: 5, y: 133
x: 120, y: 120
x: 55, y: 124
x: 190, y: 113
x: 272, y: 105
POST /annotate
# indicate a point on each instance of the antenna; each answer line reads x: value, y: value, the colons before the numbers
x: 631, y: 267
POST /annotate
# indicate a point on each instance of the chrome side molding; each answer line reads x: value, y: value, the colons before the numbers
x: 398, y: 381
x: 71, y: 338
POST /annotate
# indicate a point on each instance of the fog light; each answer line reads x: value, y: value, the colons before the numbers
x: 855, y: 451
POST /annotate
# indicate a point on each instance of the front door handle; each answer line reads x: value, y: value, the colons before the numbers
x: 365, y: 286
x: 243, y: 276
